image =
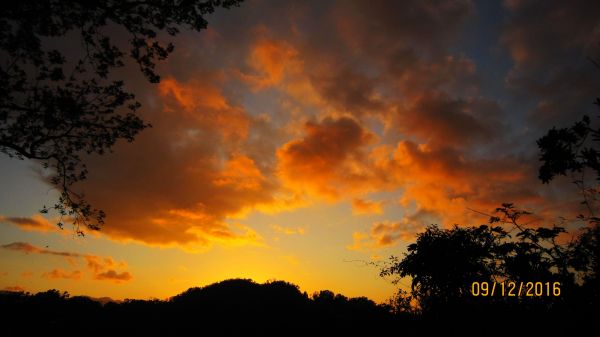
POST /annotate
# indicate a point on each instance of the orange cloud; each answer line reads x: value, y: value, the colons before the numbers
x: 101, y: 268
x: 204, y: 104
x: 327, y: 161
x: 98, y: 264
x: 179, y: 181
x: 387, y: 233
x: 240, y: 173
x: 279, y: 64
x: 63, y: 274
x: 443, y: 181
x: 270, y: 60
x: 441, y: 185
x: 113, y: 276
x: 243, y: 236
x: 361, y: 206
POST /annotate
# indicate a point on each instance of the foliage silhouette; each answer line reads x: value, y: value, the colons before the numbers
x: 573, y: 151
x: 568, y: 150
x: 58, y: 102
x: 444, y: 263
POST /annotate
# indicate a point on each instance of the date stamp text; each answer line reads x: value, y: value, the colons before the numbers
x: 515, y: 289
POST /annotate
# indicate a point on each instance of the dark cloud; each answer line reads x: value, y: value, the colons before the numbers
x: 385, y: 27
x: 550, y: 43
x: 348, y: 90
x: 29, y: 248
x: 439, y: 120
x: 544, y: 33
x: 34, y: 223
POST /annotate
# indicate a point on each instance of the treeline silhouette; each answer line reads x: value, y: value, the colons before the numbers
x: 236, y: 307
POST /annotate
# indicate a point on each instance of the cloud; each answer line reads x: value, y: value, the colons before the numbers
x: 449, y: 122
x: 212, y: 155
x: 327, y: 161
x: 63, y: 274
x: 382, y: 27
x: 281, y: 106
x: 179, y: 181
x: 270, y: 61
x: 361, y: 206
x: 14, y: 288
x: 113, y: 276
x: 240, y: 173
x: 101, y: 268
x: 288, y: 230
x: 97, y: 263
x: 34, y: 223
x: 29, y: 248
x: 27, y: 274
x: 550, y: 43
x: 530, y: 40
x: 444, y: 181
x: 444, y: 74
x: 346, y: 89
x: 388, y: 233
x: 436, y: 122
x: 203, y: 105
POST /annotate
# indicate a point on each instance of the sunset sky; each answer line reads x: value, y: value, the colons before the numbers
x: 299, y: 140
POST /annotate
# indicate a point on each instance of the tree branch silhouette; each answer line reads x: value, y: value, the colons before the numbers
x: 59, y: 103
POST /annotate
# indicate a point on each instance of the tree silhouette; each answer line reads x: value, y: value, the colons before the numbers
x: 58, y: 102
x: 574, y: 151
x: 443, y: 264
